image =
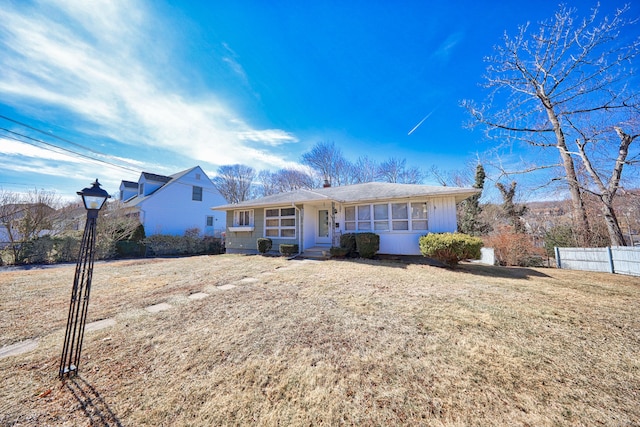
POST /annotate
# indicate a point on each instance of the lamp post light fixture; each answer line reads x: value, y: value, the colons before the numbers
x: 93, y: 198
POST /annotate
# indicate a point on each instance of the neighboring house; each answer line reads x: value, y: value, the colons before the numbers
x: 315, y: 219
x: 174, y: 204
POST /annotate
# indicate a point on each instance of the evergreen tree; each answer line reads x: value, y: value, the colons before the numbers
x: 469, y: 221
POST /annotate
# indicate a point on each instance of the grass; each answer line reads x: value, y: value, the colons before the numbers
x: 326, y: 343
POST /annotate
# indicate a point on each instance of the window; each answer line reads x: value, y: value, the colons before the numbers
x: 381, y: 217
x: 280, y: 223
x: 364, y: 217
x: 198, y: 177
x: 419, y: 216
x: 399, y: 216
x: 196, y: 193
x: 386, y: 217
x: 350, y: 218
x: 210, y: 220
x: 243, y: 218
x: 141, y: 189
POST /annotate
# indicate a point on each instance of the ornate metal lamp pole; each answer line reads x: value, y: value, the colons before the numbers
x: 93, y: 199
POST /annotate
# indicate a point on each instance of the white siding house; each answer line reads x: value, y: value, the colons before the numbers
x: 315, y: 219
x: 176, y: 203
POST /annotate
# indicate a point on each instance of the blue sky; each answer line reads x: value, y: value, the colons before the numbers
x: 161, y: 86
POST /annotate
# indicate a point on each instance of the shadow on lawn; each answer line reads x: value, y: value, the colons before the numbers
x: 497, y: 271
x: 404, y: 261
x: 94, y: 407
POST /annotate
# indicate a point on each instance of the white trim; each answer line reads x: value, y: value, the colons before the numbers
x: 237, y: 229
x: 280, y: 218
x: 236, y: 219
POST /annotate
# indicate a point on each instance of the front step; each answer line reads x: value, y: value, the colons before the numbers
x: 316, y: 253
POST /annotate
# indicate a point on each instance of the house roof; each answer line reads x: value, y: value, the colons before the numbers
x: 167, y: 180
x: 153, y: 177
x: 129, y: 184
x: 357, y: 193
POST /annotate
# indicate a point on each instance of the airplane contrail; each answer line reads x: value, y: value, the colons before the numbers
x: 421, y: 121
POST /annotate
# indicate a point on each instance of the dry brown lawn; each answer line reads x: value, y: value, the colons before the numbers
x: 325, y: 343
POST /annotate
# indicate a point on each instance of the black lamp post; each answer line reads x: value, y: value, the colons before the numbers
x: 93, y: 199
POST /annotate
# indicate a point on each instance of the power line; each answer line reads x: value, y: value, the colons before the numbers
x: 63, y: 139
x: 74, y: 153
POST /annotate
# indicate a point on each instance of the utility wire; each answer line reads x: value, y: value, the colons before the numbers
x: 74, y: 153
x: 63, y: 139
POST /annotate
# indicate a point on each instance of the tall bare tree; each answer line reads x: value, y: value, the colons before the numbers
x: 395, y: 170
x: 365, y: 169
x: 234, y: 182
x: 281, y: 181
x: 24, y: 217
x: 548, y: 88
x: 329, y: 162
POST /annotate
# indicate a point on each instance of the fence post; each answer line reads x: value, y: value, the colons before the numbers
x: 610, y: 255
x: 558, y: 261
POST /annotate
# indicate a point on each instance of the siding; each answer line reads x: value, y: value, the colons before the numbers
x: 246, y: 242
x: 171, y: 211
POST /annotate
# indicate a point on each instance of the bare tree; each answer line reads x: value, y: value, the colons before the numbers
x: 283, y: 180
x: 234, y: 182
x: 554, y: 84
x: 395, y: 170
x: 365, y: 170
x: 329, y: 162
x: 24, y: 217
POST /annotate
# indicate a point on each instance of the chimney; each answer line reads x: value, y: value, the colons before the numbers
x: 326, y: 184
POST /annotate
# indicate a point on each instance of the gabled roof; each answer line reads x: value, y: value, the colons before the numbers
x: 357, y: 193
x: 153, y: 177
x: 167, y: 180
x: 129, y: 184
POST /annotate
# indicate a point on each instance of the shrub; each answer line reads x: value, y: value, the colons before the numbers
x: 163, y: 245
x: 138, y: 234
x: 193, y: 232
x: 348, y: 241
x: 37, y: 251
x: 450, y: 248
x: 288, y: 249
x: 338, y: 252
x: 264, y: 245
x: 515, y: 249
x: 66, y: 248
x: 213, y: 245
x: 367, y: 244
x: 130, y: 249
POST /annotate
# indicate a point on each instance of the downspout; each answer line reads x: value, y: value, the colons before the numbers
x: 299, y: 233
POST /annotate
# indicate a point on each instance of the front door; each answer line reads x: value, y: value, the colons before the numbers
x: 323, y: 236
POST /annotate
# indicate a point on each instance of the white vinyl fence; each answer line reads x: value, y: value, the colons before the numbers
x: 616, y: 259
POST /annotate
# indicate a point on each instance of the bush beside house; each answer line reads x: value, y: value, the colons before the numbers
x: 450, y: 248
x: 288, y: 249
x: 264, y: 245
x: 365, y: 245
x: 368, y: 244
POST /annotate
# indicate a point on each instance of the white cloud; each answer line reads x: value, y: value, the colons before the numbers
x: 93, y: 61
